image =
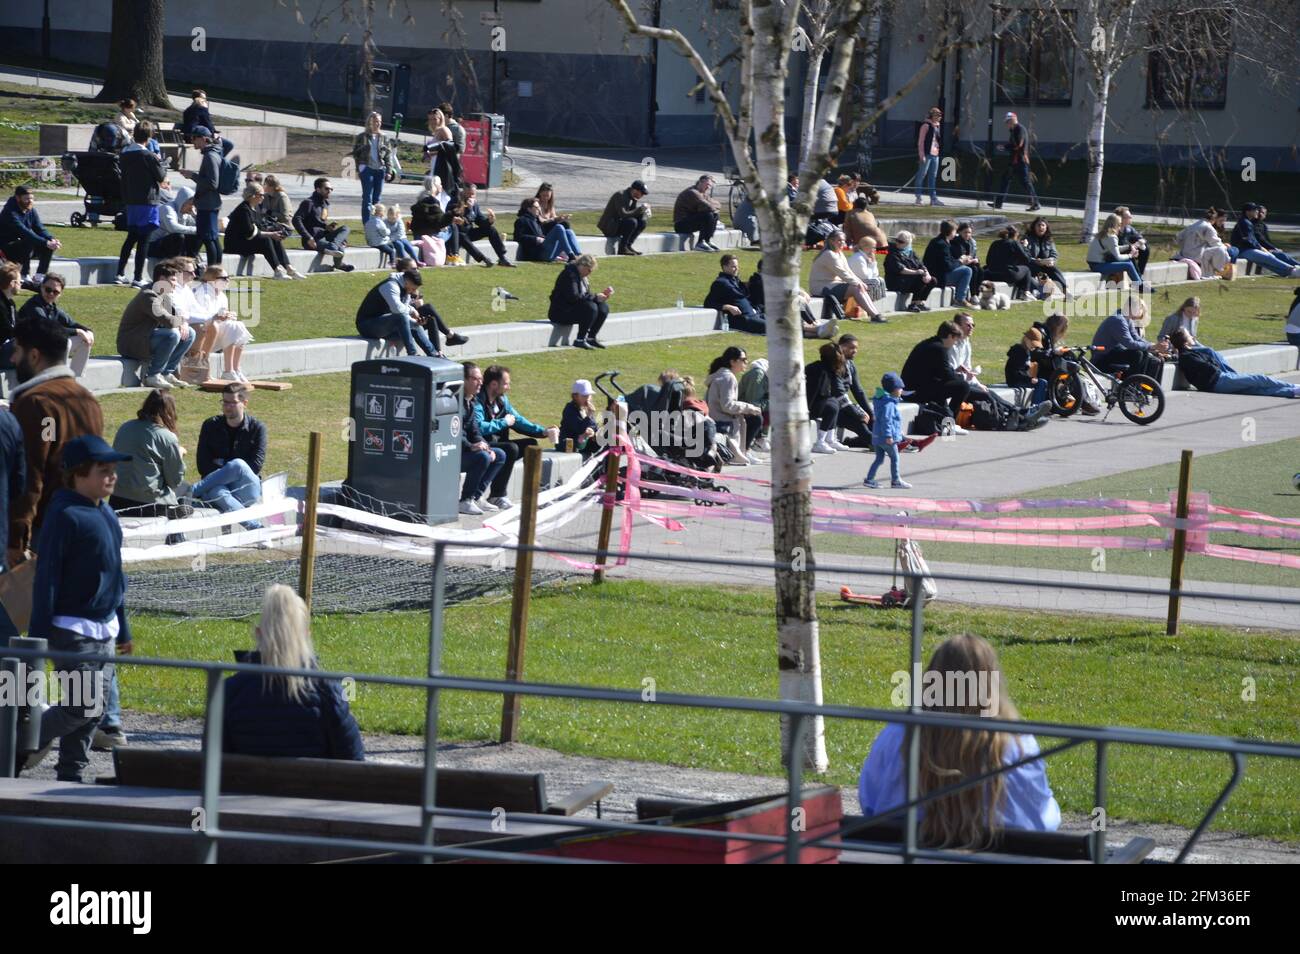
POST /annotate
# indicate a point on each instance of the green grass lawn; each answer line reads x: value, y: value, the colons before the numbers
x: 1269, y: 490
x: 1239, y: 313
x: 702, y: 640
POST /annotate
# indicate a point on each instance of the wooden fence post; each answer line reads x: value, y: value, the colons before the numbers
x: 606, y: 515
x: 307, y: 552
x: 522, y: 592
x: 1180, y: 545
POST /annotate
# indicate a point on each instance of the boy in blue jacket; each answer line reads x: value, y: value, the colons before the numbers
x: 79, y: 597
x: 887, y: 430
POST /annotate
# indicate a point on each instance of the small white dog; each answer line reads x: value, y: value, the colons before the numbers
x: 992, y: 300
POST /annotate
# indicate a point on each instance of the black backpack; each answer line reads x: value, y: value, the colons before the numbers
x: 819, y: 231
x: 991, y: 416
x: 932, y: 419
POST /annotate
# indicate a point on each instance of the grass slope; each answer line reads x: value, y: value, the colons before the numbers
x: 695, y: 639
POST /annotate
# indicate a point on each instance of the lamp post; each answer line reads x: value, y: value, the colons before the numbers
x: 45, y: 32
x: 996, y: 11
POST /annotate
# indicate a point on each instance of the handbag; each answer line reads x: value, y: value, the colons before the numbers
x: 194, y: 368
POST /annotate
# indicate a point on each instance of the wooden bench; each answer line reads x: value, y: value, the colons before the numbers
x: 341, y: 780
x: 1049, y: 845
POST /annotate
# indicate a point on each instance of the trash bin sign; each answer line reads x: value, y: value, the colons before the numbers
x: 406, y: 433
x: 474, y: 161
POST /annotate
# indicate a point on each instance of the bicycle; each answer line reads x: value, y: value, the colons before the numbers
x: 736, y: 192
x: 1140, y: 397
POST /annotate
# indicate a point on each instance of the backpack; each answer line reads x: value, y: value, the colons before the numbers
x: 819, y: 231
x: 990, y: 416
x: 228, y: 175
x: 932, y: 419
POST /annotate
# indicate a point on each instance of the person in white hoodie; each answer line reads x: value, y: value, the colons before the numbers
x: 379, y: 233
x: 218, y: 327
x: 177, y: 233
x: 1201, y: 246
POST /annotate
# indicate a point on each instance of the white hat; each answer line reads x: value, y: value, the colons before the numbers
x: 1009, y: 116
x: 581, y: 386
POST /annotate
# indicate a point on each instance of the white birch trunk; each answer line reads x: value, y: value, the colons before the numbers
x: 810, y: 101
x: 1096, y: 155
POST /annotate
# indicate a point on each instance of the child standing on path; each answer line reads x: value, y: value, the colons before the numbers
x: 887, y: 432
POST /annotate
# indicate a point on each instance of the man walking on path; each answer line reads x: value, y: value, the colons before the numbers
x: 1018, y: 147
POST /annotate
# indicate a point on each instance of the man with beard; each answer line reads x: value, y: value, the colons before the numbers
x: 52, y: 409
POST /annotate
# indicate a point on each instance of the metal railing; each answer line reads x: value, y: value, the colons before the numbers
x: 789, y: 846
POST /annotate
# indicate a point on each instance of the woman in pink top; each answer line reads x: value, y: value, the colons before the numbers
x: 928, y: 141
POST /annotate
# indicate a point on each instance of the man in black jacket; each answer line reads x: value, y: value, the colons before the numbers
x: 481, y: 223
x: 929, y: 375
x: 142, y: 175
x: 940, y: 261
x: 1018, y: 164
x: 318, y: 234
x: 729, y: 296
x: 1205, y: 370
x: 45, y: 304
x: 853, y: 417
x: 574, y: 303
x: 22, y: 235
x: 625, y: 217
x: 207, y: 192
x: 232, y: 450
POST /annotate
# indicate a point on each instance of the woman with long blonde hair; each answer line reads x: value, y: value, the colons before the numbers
x: 963, y: 678
x: 288, y: 716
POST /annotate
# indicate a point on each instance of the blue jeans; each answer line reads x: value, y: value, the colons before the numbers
x: 559, y: 239
x: 1284, y: 258
x: 166, y: 350
x: 480, y: 467
x: 926, y: 172
x: 391, y: 325
x: 406, y: 248
x: 1265, y: 260
x: 1020, y: 171
x: 208, y: 223
x: 1261, y: 385
x: 232, y: 486
x: 372, y: 187
x: 74, y: 720
x: 882, y: 451
x: 959, y: 279
x: 113, y: 704
x: 1110, y: 268
x: 1293, y: 338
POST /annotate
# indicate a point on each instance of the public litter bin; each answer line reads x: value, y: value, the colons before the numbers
x: 404, y: 458
x: 390, y: 85
x: 485, y: 147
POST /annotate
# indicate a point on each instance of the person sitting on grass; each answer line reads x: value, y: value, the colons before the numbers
x: 45, y: 304
x: 287, y: 716
x: 972, y: 818
x: 1206, y: 370
x: 378, y: 233
x: 386, y: 313
x: 79, y: 599
x: 232, y: 450
x: 534, y: 244
x: 148, y: 483
x: 831, y: 275
x: 480, y: 462
x: 219, y: 329
x: 154, y: 332
x: 578, y: 422
x: 905, y: 273
x: 574, y: 303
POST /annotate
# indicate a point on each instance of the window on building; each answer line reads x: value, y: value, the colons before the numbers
x: 1188, y: 64
x: 1035, y: 60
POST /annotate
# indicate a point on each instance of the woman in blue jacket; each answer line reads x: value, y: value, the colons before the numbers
x: 287, y: 716
x: 534, y: 244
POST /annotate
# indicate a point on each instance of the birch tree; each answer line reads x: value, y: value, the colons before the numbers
x: 756, y: 130
x: 813, y: 36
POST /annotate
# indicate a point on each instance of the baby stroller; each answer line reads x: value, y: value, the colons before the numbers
x: 659, y: 409
x: 101, y: 176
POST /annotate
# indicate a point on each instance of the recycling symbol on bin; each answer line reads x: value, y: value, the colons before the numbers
x: 455, y: 426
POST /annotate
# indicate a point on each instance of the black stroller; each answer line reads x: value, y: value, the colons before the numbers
x: 658, y: 428
x: 101, y: 176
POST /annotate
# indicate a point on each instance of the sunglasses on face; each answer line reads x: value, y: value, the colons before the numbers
x: 52, y: 290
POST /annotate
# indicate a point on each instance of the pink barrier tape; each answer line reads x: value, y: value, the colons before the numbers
x: 1267, y: 557
x: 1255, y: 515
x: 1000, y: 506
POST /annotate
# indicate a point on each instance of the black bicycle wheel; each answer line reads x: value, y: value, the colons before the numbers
x: 1141, y: 399
x: 735, y: 196
x: 1066, y: 394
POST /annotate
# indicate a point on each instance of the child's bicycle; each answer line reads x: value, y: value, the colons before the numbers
x: 1139, y: 396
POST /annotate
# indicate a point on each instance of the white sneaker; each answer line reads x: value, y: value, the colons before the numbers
x: 838, y: 445
x: 1295, y: 272
x: 158, y: 382
x: 281, y: 275
x: 121, y: 280
x: 242, y: 377
x: 229, y: 375
x: 294, y: 273
x: 829, y: 329
x: 753, y: 459
x: 471, y: 508
x: 821, y: 447
x: 501, y: 503
x: 177, y: 382
x: 760, y: 444
x: 486, y: 507
x: 959, y: 431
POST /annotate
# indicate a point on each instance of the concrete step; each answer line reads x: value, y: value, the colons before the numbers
x: 102, y: 270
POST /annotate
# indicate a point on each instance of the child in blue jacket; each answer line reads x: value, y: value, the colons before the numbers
x: 887, y: 431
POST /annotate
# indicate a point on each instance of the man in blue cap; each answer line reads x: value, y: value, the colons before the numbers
x: 79, y: 599
x: 207, y: 192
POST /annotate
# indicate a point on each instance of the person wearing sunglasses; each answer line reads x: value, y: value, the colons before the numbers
x: 318, y: 233
x: 45, y: 304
